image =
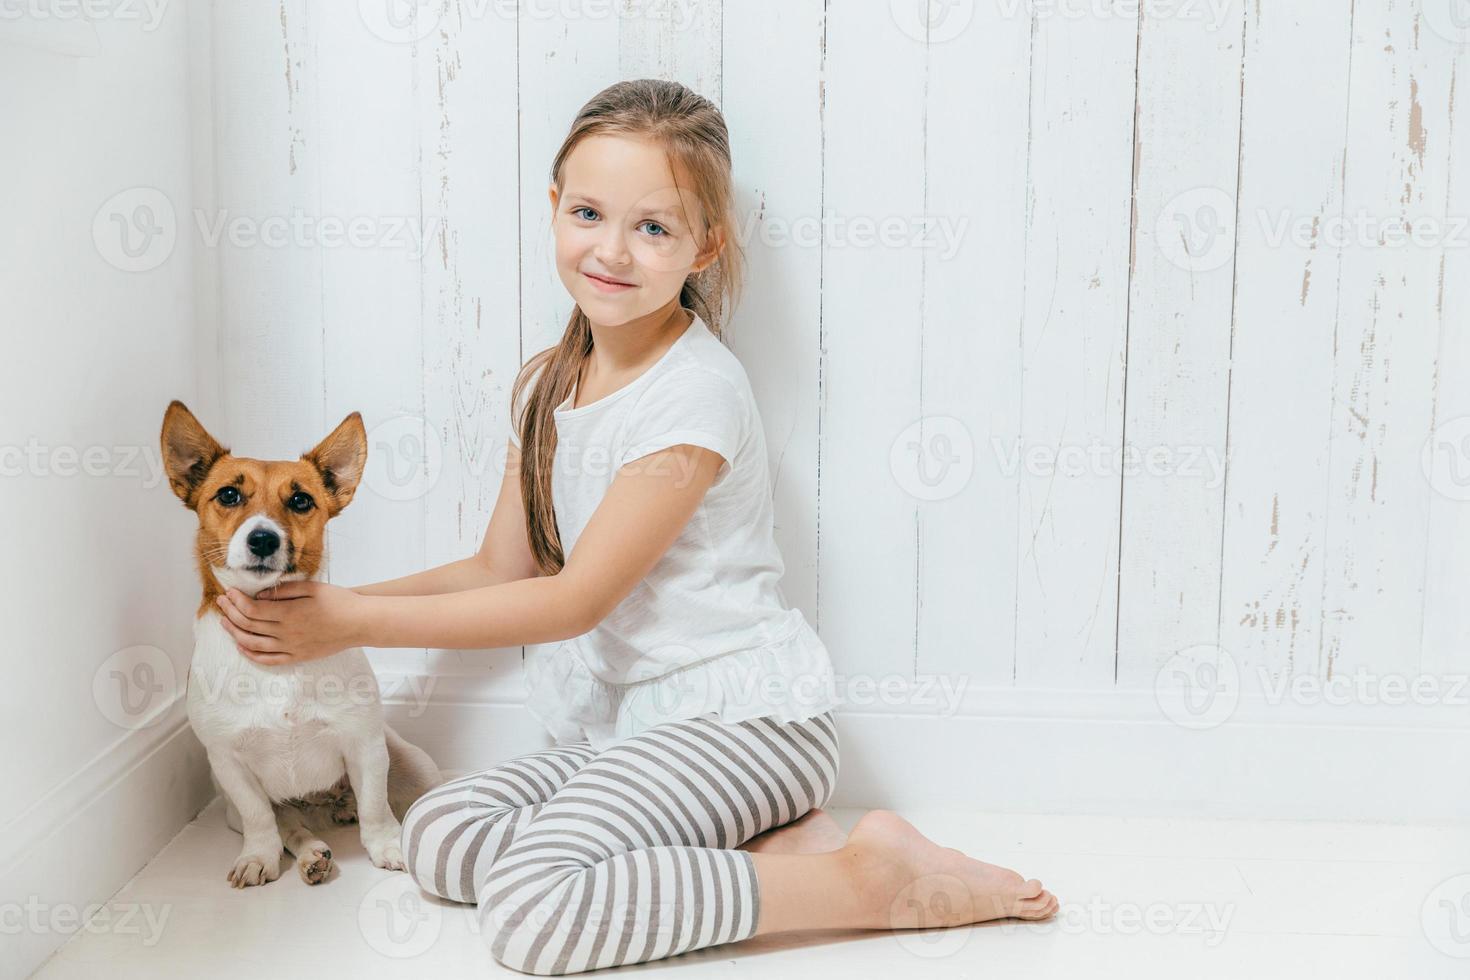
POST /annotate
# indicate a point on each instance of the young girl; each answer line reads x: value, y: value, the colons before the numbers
x: 692, y: 710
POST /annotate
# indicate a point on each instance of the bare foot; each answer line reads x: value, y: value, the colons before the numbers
x: 815, y: 832
x: 916, y: 884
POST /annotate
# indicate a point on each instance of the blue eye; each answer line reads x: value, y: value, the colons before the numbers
x: 663, y: 232
x: 576, y: 210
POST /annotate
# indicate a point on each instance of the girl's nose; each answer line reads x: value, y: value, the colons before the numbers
x: 610, y: 249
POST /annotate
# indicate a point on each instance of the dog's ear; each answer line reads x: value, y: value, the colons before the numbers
x: 340, y: 458
x: 188, y: 451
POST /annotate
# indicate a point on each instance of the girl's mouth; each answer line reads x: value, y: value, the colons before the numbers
x: 605, y: 285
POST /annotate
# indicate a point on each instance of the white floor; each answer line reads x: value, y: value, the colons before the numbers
x: 1140, y: 898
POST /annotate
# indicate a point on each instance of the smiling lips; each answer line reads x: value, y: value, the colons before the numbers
x: 607, y: 285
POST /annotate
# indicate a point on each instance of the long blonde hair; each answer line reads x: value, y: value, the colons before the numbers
x: 691, y: 131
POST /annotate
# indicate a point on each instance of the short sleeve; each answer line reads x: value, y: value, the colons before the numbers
x: 692, y: 405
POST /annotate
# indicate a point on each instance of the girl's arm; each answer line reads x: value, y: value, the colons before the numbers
x: 648, y: 504
x: 504, y: 555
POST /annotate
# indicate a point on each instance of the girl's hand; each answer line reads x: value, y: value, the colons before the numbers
x: 293, y: 622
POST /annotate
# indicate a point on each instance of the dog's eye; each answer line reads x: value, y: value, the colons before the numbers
x: 228, y: 496
x: 300, y: 502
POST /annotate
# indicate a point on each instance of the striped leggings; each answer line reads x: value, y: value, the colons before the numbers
x: 578, y: 860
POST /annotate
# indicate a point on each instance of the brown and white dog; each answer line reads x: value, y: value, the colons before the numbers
x: 285, y: 741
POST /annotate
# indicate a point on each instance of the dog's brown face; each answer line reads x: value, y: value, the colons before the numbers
x: 260, y: 521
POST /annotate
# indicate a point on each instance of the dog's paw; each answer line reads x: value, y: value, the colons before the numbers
x: 316, y: 864
x: 344, y: 810
x: 386, y: 854
x: 254, y: 869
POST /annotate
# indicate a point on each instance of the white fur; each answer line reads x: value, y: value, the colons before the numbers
x: 279, y: 733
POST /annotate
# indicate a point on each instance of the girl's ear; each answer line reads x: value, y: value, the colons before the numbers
x: 552, y: 194
x: 715, y: 244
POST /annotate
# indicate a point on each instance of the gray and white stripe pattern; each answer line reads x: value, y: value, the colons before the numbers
x: 579, y: 860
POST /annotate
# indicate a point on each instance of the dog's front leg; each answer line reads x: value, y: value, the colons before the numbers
x: 260, y: 858
x: 367, y: 769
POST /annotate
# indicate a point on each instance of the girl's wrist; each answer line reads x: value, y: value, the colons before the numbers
x: 365, y: 620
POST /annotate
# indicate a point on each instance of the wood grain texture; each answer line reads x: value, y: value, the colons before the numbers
x: 986, y: 257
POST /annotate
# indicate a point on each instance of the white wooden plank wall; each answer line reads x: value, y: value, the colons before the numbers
x: 1048, y: 193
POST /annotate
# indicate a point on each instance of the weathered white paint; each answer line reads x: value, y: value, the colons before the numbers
x: 1076, y: 156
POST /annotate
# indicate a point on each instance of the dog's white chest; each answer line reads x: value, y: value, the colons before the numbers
x: 287, y: 725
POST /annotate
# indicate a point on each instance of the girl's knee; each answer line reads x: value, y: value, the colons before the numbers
x: 434, y: 839
x: 530, y: 934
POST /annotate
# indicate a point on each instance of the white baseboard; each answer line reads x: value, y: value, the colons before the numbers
x: 78, y: 845
x: 1069, y: 752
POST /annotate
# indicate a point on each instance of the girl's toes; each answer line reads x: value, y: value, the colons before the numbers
x: 1042, y: 906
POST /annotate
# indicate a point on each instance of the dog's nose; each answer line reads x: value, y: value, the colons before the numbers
x: 263, y: 543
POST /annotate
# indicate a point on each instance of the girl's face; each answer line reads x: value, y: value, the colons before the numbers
x: 625, y: 235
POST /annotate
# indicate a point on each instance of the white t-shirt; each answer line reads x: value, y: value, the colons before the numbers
x: 707, y: 630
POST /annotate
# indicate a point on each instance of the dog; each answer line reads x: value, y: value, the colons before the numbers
x: 285, y: 742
